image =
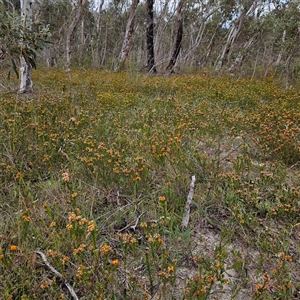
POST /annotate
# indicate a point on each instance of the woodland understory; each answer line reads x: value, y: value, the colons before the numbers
x: 149, y: 150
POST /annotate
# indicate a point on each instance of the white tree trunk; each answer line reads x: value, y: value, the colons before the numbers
x: 127, y: 42
x: 26, y: 68
x: 282, y: 48
x: 233, y: 34
x: 241, y: 55
x: 74, y: 19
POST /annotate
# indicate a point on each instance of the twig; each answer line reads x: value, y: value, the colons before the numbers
x: 67, y: 284
x: 186, y: 215
x: 130, y: 226
x: 118, y: 198
x: 294, y: 165
x: 136, y: 222
x: 157, y: 220
x: 4, y: 87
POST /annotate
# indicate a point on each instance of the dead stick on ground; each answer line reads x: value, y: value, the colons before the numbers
x: 130, y: 226
x: 67, y: 284
x: 186, y: 215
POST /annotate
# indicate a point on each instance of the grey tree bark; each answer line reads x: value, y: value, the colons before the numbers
x: 26, y: 85
x: 98, y: 28
x: 127, y: 42
x: 177, y: 45
x: 233, y: 34
x: 75, y: 17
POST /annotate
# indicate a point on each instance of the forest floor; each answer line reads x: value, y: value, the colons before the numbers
x: 126, y: 186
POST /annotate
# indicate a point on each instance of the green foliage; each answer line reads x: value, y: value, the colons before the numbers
x: 16, y: 41
x: 95, y: 172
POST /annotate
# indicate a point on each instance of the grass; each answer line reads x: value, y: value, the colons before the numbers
x: 95, y: 172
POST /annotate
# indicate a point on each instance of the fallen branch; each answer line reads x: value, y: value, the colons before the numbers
x: 186, y: 215
x: 130, y: 226
x: 67, y: 284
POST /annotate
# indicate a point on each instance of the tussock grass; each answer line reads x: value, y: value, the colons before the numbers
x: 95, y: 171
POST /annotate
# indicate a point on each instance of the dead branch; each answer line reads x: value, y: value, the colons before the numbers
x: 53, y: 270
x: 130, y: 226
x: 186, y: 215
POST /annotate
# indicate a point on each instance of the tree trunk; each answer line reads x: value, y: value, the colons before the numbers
x: 75, y: 17
x: 282, y: 48
x: 98, y: 44
x: 127, y: 43
x: 150, y: 37
x: 241, y: 55
x: 177, y: 45
x: 26, y: 67
x: 161, y: 32
x: 204, y: 20
x: 232, y: 36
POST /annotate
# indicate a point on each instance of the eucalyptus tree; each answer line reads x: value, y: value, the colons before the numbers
x: 240, y: 12
x: 75, y: 16
x: 178, y: 39
x: 235, y: 36
x: 26, y: 65
x: 202, y: 26
x: 150, y: 37
x: 99, y: 21
x: 20, y: 40
x: 282, y: 26
x: 56, y: 15
x: 127, y: 42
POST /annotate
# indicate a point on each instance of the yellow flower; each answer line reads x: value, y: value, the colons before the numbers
x: 162, y: 198
x: 105, y: 249
x: 72, y: 216
x: 69, y: 227
x: 79, y: 249
x: 80, y: 271
x: 170, y: 268
x: 159, y: 240
x: 65, y: 259
x: 65, y: 177
x: 144, y: 225
x: 132, y: 241
x: 53, y: 224
x: 17, y: 176
x: 13, y: 247
x: 115, y: 262
x: 150, y: 239
x: 138, y: 178
x: 26, y: 218
x: 91, y: 226
x: 82, y: 221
